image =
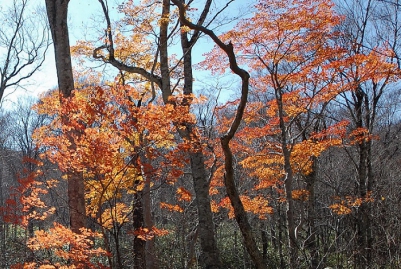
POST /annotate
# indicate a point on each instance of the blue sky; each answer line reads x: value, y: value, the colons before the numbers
x: 81, y: 15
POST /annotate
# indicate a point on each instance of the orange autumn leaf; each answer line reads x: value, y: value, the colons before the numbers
x: 69, y: 247
x: 301, y: 195
x: 215, y: 206
x: 345, y: 206
x: 340, y: 208
x: 257, y: 205
x: 148, y: 234
x: 170, y: 207
x: 183, y: 194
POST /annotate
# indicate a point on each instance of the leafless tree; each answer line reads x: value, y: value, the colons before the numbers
x: 24, y: 40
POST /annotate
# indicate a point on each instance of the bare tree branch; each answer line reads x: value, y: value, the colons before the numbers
x: 25, y: 43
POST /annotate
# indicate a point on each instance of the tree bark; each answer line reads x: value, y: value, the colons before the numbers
x: 363, y: 222
x: 57, y: 11
x: 138, y: 222
x: 239, y: 211
x: 311, y: 241
x: 2, y: 223
x: 210, y: 253
x: 288, y: 182
x: 151, y: 258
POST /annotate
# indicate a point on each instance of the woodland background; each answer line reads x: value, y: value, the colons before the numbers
x: 277, y: 148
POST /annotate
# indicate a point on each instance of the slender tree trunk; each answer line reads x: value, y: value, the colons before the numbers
x: 281, y: 224
x: 311, y: 241
x: 119, y: 260
x: 210, y: 255
x: 265, y: 242
x: 2, y: 224
x: 239, y: 211
x: 57, y: 11
x: 151, y: 258
x: 232, y: 192
x: 138, y: 223
x: 369, y: 186
x: 363, y: 220
x: 163, y: 47
x: 138, y: 218
x: 288, y: 183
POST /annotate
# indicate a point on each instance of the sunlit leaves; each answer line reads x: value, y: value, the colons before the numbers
x: 344, y: 206
x: 360, y: 135
x: 26, y: 202
x: 340, y: 208
x: 171, y: 207
x: 301, y: 195
x: 258, y: 205
x: 70, y: 247
x: 296, y: 71
x: 284, y: 39
x: 148, y: 234
x: 184, y: 195
x: 118, y: 214
x: 115, y: 142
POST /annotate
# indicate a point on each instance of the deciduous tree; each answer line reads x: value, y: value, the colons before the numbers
x: 24, y: 41
x: 57, y: 12
x: 166, y: 75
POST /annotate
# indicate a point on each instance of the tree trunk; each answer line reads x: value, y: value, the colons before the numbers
x: 363, y: 220
x: 265, y: 241
x: 138, y: 222
x: 2, y: 224
x: 210, y: 255
x: 281, y: 223
x: 151, y: 258
x: 288, y: 183
x: 232, y: 192
x: 362, y: 115
x: 311, y: 241
x: 239, y: 211
x: 57, y: 11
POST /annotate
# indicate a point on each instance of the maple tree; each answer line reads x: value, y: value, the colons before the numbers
x: 236, y: 202
x: 302, y: 68
x: 27, y: 205
x: 164, y: 73
x: 288, y: 46
x: 66, y: 246
x: 297, y: 55
x: 113, y: 150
